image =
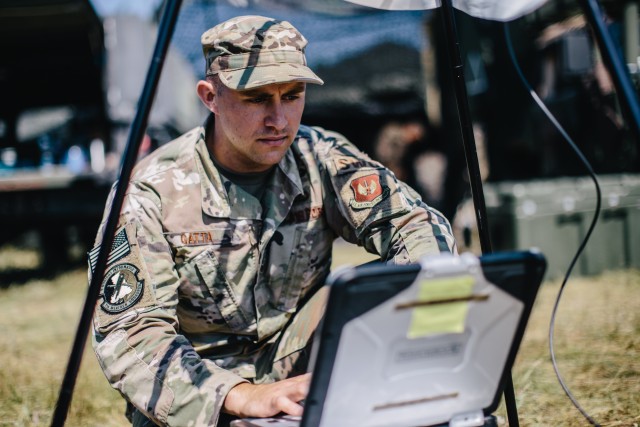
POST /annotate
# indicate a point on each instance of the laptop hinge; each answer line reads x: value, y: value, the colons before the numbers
x: 468, y: 419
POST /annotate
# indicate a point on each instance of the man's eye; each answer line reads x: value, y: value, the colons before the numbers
x: 291, y: 97
x: 258, y: 100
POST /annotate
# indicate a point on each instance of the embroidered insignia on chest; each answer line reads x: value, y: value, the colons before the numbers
x: 367, y: 191
x: 121, y: 288
x: 196, y: 238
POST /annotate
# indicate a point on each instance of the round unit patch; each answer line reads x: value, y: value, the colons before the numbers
x: 121, y: 288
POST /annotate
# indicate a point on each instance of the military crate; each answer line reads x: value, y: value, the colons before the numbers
x: 554, y: 215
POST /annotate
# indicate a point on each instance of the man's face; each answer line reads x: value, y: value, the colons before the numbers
x: 254, y: 128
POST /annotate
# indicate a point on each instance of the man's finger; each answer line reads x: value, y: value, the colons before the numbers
x: 288, y: 406
x: 301, y: 387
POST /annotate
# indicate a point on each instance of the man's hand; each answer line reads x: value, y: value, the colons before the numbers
x: 267, y: 400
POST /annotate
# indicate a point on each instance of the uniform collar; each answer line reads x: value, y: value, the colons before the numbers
x: 284, y: 186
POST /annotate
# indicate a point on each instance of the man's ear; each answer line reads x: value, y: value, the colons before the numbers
x: 207, y: 94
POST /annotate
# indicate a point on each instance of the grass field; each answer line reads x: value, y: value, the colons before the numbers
x: 597, y: 344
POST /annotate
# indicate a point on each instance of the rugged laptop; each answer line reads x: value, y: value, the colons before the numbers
x: 429, y: 344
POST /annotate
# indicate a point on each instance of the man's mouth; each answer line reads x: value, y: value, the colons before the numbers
x: 274, y: 140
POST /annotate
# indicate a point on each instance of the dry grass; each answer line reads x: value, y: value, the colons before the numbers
x: 38, y: 322
x: 597, y: 337
x: 597, y: 346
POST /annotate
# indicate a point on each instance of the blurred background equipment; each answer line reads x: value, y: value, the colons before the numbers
x: 70, y: 82
x: 388, y: 89
x: 554, y: 215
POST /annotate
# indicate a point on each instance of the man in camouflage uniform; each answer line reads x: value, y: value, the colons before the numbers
x: 226, y: 230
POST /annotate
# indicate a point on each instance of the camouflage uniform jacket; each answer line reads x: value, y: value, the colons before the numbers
x: 198, y: 267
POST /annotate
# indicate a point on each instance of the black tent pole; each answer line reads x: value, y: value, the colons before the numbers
x: 138, y: 127
x: 615, y: 65
x: 466, y: 125
x: 471, y: 157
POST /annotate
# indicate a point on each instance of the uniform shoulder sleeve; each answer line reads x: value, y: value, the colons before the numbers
x: 362, y: 190
x: 368, y: 205
x: 136, y: 337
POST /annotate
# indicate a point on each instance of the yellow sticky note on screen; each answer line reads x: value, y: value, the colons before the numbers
x: 441, y: 318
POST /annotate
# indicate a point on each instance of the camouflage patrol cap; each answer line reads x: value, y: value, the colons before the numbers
x: 251, y: 51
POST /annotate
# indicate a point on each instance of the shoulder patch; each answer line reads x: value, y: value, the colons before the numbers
x: 119, y: 249
x: 121, y: 288
x: 126, y: 284
x: 368, y: 196
x: 348, y: 164
x: 367, y: 191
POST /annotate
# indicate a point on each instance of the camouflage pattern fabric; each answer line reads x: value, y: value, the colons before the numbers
x: 204, y: 277
x: 251, y: 51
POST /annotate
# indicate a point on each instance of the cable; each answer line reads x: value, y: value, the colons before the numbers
x: 577, y: 151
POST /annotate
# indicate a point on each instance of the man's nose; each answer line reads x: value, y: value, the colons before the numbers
x: 276, y: 116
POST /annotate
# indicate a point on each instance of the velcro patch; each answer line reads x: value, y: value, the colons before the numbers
x: 212, y: 237
x: 354, y: 164
x: 367, y: 192
x: 370, y: 195
x: 119, y: 249
x: 126, y: 285
x: 121, y: 288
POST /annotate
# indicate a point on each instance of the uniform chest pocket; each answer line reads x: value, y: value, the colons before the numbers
x: 309, y: 262
x: 229, y: 300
